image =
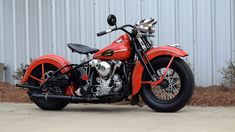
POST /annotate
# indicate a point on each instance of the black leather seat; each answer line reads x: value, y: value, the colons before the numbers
x: 82, y: 49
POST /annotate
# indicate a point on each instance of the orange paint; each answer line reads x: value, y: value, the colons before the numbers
x: 43, y: 72
x: 151, y: 54
x: 153, y: 84
x: 55, y: 60
x: 120, y: 49
x: 37, y: 79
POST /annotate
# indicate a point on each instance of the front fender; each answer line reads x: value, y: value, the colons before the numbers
x: 151, y: 54
x: 55, y: 60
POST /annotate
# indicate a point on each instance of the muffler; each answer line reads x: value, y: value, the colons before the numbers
x: 64, y: 98
x: 33, y: 88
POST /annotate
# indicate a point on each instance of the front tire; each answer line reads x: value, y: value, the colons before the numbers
x: 178, y: 97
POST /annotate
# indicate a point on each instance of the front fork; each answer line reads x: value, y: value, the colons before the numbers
x: 149, y: 68
x: 155, y: 83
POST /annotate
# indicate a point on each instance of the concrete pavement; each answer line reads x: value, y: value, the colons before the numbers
x: 114, y: 118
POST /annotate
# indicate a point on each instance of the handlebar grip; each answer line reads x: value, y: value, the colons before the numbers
x: 101, y: 33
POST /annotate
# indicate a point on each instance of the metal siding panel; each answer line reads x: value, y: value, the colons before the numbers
x: 54, y: 39
x: 167, y: 22
x: 14, y: 37
x: 222, y: 41
x: 232, y: 29
x: 1, y: 33
x: 184, y: 28
x: 26, y: 11
x: 46, y: 21
x: 203, y: 59
x: 20, y: 33
x: 133, y: 11
x: 68, y: 28
x: 8, y: 41
x: 40, y: 27
x: 33, y: 29
x: 60, y: 28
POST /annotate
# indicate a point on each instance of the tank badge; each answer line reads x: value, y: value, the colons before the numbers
x: 107, y: 53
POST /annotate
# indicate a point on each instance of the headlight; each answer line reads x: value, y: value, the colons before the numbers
x: 146, y: 26
x: 152, y: 29
x: 143, y: 28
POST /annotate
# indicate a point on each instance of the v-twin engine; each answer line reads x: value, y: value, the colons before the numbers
x: 108, y: 81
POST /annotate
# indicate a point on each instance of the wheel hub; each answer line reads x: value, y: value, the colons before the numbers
x: 169, y: 87
x: 164, y: 84
x: 48, y: 74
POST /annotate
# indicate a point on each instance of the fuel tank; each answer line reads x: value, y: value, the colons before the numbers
x: 120, y: 49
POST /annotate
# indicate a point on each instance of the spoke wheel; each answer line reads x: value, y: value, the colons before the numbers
x: 174, y: 91
x: 38, y: 76
x: 169, y: 87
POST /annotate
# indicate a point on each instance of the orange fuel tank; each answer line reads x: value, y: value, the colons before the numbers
x: 120, y: 49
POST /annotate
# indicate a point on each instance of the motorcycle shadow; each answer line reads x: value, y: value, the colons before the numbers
x: 105, y: 108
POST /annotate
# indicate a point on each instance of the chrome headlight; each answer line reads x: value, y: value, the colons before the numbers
x: 152, y: 29
x: 143, y: 29
x: 146, y: 26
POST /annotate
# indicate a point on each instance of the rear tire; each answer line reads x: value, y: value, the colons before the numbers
x: 180, y: 98
x: 42, y: 103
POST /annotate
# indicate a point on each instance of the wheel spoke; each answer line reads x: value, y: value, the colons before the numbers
x: 43, y: 72
x: 159, y: 73
x: 169, y: 94
x: 173, y: 88
x: 156, y: 90
x: 176, y: 83
x: 35, y: 78
x: 162, y: 95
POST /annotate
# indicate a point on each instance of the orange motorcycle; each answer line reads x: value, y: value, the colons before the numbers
x: 129, y: 67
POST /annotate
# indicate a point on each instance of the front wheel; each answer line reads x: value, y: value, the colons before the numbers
x: 174, y: 91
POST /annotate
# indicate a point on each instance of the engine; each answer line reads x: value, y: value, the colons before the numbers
x: 107, y: 82
x: 102, y: 67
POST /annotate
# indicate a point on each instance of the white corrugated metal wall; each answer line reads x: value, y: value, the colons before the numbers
x: 204, y: 28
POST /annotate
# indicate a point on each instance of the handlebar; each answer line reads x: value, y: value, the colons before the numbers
x: 101, y: 33
x: 104, y: 32
x: 111, y: 30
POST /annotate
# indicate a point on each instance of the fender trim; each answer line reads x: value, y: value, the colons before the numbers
x: 151, y: 54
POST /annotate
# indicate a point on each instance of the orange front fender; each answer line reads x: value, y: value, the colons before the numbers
x: 151, y: 54
x: 55, y: 60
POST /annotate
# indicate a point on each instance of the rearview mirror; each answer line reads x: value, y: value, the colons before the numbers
x: 111, y: 20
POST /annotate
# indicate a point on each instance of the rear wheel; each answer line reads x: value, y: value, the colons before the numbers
x: 37, y: 76
x: 174, y: 91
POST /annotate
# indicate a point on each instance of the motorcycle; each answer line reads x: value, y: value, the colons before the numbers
x: 129, y: 67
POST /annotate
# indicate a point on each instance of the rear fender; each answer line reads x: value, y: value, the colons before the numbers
x: 151, y: 54
x: 55, y: 60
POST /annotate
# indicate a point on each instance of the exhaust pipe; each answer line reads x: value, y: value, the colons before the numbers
x: 64, y: 98
x: 33, y: 88
x: 56, y: 97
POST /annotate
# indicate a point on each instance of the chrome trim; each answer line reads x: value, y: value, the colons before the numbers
x: 175, y: 45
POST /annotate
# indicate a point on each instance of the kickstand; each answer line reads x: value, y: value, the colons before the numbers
x: 135, y: 100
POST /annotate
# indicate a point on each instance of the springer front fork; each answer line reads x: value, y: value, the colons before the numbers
x: 150, y: 70
x: 157, y: 82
